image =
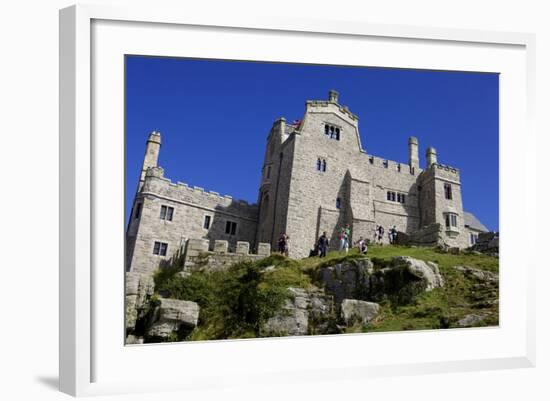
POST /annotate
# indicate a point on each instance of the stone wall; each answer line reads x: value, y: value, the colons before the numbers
x: 435, y: 205
x: 199, y: 257
x: 487, y: 243
x: 360, y: 181
x: 431, y: 235
x: 190, y: 208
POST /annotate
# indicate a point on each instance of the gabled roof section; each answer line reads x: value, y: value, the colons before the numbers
x: 471, y: 221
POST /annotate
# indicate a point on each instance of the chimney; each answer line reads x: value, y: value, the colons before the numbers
x: 431, y: 156
x: 413, y: 153
x: 333, y: 96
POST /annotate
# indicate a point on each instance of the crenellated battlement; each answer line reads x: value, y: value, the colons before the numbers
x: 199, y: 256
x: 447, y: 168
x: 155, y: 183
x: 391, y: 165
x: 328, y: 104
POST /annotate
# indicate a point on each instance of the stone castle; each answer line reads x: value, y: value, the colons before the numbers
x: 316, y: 177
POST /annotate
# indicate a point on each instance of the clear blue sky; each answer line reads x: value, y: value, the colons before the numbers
x: 214, y: 117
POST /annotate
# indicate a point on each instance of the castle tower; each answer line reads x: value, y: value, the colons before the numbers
x: 413, y: 153
x: 152, y: 151
x: 431, y: 156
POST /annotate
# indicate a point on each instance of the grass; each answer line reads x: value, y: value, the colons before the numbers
x: 441, y: 307
x: 236, y: 302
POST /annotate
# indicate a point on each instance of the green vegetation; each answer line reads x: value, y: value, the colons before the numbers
x: 441, y: 307
x: 237, y: 301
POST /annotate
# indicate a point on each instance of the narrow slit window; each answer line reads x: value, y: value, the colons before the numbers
x: 448, y: 191
x: 206, y: 224
x: 138, y: 211
x: 338, y: 203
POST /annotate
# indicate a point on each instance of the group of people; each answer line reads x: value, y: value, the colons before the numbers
x: 344, y: 234
x: 321, y: 247
x: 283, y: 244
x: 379, y: 234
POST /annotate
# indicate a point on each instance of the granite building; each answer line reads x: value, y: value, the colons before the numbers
x: 316, y: 177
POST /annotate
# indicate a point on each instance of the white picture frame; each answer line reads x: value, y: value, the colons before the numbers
x: 86, y: 361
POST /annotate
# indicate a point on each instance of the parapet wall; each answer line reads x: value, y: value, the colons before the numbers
x: 431, y: 235
x: 156, y: 183
x: 199, y: 257
x: 390, y: 165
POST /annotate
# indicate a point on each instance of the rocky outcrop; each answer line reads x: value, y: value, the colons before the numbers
x: 402, y: 279
x: 426, y: 271
x: 306, y: 312
x: 132, y: 339
x: 471, y: 319
x: 172, y: 315
x: 139, y: 288
x: 353, y: 310
x: 480, y: 275
x: 349, y: 279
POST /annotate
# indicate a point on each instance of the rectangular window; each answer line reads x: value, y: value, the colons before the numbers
x: 402, y: 198
x: 448, y: 191
x: 393, y: 196
x: 206, y: 224
x: 230, y: 227
x: 160, y: 248
x: 371, y: 160
x: 385, y: 163
x: 138, y: 211
x: 166, y: 213
x: 473, y: 238
x: 451, y: 220
x: 268, y: 171
x: 389, y: 196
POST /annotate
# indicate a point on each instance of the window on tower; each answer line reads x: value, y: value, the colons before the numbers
x: 138, y: 211
x: 332, y: 132
x: 321, y: 165
x: 166, y: 213
x: 451, y: 221
x: 448, y: 191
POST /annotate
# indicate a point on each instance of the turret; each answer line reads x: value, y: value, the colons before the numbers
x: 431, y: 156
x: 151, y: 157
x: 413, y: 153
x: 333, y: 96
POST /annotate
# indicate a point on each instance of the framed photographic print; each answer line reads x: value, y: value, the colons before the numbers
x: 224, y: 213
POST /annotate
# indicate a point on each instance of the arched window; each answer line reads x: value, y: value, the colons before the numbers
x: 338, y: 203
x: 337, y: 134
x: 324, y: 165
x: 319, y: 164
x: 326, y: 129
